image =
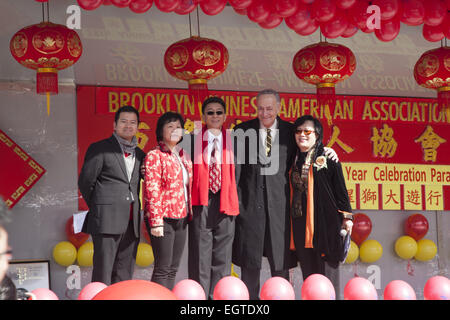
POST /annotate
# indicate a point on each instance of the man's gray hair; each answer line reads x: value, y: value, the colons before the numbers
x: 269, y: 91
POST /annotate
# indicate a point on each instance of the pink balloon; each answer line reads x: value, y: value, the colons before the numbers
x: 285, y: 8
x: 135, y: 290
x: 335, y: 27
x: 140, y: 6
x: 272, y: 21
x: 309, y: 29
x: 185, y: 7
x: 399, y: 290
x: 89, y: 4
x: 121, y: 3
x: 213, y: 7
x: 240, y: 4
x: 90, y: 290
x: 44, y: 294
x: 388, y: 8
x: 277, y: 288
x: 351, y: 30
x: 437, y: 288
x: 413, y: 12
x: 167, y: 5
x: 300, y: 19
x: 188, y: 289
x: 318, y: 287
x: 230, y: 288
x: 360, y: 289
x: 259, y: 10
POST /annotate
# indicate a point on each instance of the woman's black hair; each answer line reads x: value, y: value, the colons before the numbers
x: 317, y: 128
x: 166, y: 118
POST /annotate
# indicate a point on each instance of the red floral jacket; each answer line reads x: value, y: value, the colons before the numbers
x: 163, y: 181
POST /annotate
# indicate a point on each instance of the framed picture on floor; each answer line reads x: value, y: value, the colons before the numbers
x: 30, y: 274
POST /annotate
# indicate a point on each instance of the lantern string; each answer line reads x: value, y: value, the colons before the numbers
x: 198, y: 23
x: 48, y: 11
x: 43, y: 14
x: 190, y: 26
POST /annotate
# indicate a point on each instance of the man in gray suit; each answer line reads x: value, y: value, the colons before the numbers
x: 109, y: 183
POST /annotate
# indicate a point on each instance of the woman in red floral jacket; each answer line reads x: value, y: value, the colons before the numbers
x: 167, y: 192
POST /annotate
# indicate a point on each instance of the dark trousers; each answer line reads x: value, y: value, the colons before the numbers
x: 114, y: 256
x: 251, y: 276
x: 310, y: 260
x: 211, y: 236
x: 168, y: 250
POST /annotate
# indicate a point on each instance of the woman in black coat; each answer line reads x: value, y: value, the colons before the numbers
x: 320, y: 206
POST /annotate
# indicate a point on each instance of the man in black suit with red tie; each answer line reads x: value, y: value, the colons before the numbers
x: 109, y: 183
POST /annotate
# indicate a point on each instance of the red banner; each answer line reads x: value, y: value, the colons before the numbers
x: 18, y: 171
x: 362, y: 129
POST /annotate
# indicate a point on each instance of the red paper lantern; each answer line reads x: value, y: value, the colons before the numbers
x: 324, y: 64
x: 432, y: 71
x: 46, y: 47
x: 196, y: 60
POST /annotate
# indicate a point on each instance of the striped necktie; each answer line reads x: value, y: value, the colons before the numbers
x: 214, y: 169
x: 268, y: 143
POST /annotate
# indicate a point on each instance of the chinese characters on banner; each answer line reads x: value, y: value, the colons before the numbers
x: 394, y: 151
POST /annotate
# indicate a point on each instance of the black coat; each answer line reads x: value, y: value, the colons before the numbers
x: 330, y: 195
x: 104, y: 185
x: 254, y: 188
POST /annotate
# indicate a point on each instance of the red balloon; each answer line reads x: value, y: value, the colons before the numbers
x: 285, y: 8
x: 188, y: 289
x: 272, y: 21
x: 358, y: 12
x: 323, y: 10
x: 360, y: 289
x: 140, y: 6
x: 432, y: 34
x: 240, y: 4
x: 107, y: 2
x: 437, y: 288
x: 77, y: 239
x: 91, y: 290
x: 213, y: 7
x: 230, y: 288
x: 167, y: 5
x: 300, y: 19
x: 416, y: 226
x: 345, y: 4
x: 413, y: 12
x: 259, y: 10
x: 242, y: 12
x: 88, y: 4
x: 446, y: 26
x: 309, y: 29
x: 186, y: 7
x: 362, y: 226
x: 335, y: 27
x: 435, y: 12
x: 389, y: 30
x: 448, y: 4
x: 318, y: 287
x: 121, y: 3
x: 277, y: 288
x: 350, y: 31
x: 399, y: 290
x: 307, y: 1
x: 135, y: 290
x: 388, y: 8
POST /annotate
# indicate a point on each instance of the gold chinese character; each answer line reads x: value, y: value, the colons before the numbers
x: 430, y: 141
x: 142, y: 138
x: 334, y: 139
x: 383, y: 142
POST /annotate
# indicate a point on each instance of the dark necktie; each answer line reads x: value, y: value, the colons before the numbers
x: 268, y: 143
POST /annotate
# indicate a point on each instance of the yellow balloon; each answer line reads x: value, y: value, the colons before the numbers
x: 406, y: 247
x: 370, y: 251
x: 85, y: 254
x: 426, y: 250
x: 64, y: 253
x: 144, y: 256
x: 353, y: 253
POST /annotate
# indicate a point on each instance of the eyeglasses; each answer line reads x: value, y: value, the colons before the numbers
x: 305, y: 132
x: 7, y: 252
x: 210, y: 113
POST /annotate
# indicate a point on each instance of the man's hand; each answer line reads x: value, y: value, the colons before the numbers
x: 142, y: 170
x: 331, y: 154
x: 157, y: 231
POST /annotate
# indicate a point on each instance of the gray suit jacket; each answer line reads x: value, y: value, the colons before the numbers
x: 104, y: 185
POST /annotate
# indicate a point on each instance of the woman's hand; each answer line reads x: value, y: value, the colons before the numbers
x: 157, y: 231
x: 331, y: 154
x: 347, y: 225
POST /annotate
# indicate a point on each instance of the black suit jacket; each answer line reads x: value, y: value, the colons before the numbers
x: 258, y: 184
x: 104, y: 185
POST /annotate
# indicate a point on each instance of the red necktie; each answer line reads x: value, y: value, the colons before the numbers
x: 127, y: 154
x: 214, y: 169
